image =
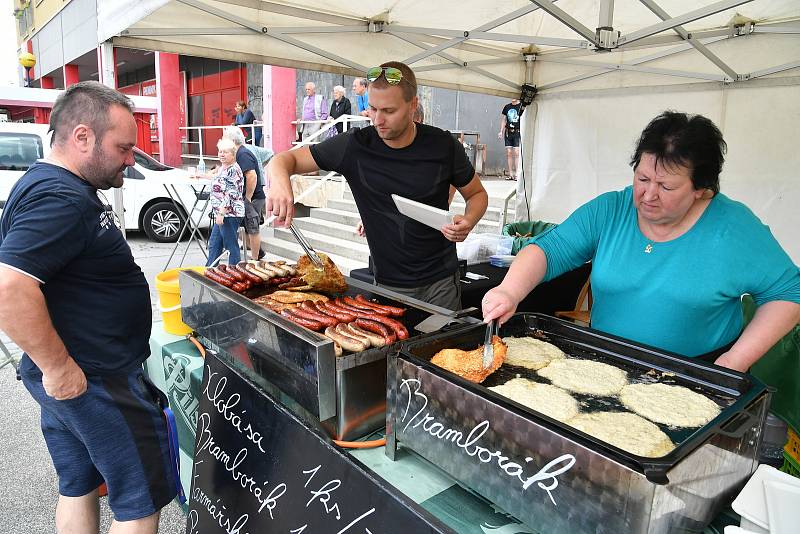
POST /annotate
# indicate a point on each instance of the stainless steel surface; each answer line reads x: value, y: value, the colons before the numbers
x: 557, y: 479
x: 488, y: 347
x: 309, y: 250
x: 347, y: 393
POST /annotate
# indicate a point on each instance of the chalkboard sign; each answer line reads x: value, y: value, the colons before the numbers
x: 257, y: 468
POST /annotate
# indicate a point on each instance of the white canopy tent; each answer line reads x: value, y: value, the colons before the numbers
x: 603, y: 70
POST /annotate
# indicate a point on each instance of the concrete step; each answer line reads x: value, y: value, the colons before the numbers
x: 328, y: 244
x: 291, y: 251
x: 345, y: 204
x: 321, y: 226
x: 343, y: 217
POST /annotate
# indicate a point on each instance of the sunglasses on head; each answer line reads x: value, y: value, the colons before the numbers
x: 393, y: 75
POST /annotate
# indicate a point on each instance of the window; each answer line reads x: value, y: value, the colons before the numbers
x: 149, y: 163
x: 19, y: 151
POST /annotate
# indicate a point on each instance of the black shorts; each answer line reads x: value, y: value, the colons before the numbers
x: 511, y: 139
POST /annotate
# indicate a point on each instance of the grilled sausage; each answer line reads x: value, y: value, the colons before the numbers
x: 313, y: 316
x: 265, y: 266
x: 308, y: 323
x: 212, y: 274
x: 341, y: 314
x: 316, y: 308
x: 374, y: 339
x: 228, y: 281
x: 254, y: 270
x: 278, y: 281
x: 250, y: 277
x: 231, y: 271
x: 344, y: 328
x: 353, y: 303
x: 346, y: 342
x: 394, y: 311
x: 265, y: 272
x: 360, y: 312
x: 240, y: 287
x: 397, y: 326
x: 377, y: 327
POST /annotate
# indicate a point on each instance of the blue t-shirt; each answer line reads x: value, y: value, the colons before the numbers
x: 56, y: 230
x: 681, y: 295
x: 362, y: 102
x: 247, y: 162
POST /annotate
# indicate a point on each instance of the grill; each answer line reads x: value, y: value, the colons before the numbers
x: 346, y: 394
x: 554, y: 477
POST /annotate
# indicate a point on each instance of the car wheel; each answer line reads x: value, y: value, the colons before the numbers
x: 162, y: 222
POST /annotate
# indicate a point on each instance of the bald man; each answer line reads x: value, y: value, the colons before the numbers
x: 315, y: 108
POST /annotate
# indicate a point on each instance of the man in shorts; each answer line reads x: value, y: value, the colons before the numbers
x: 73, y: 299
x: 510, y: 133
x: 254, y: 197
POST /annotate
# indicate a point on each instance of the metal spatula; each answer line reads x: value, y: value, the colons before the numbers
x: 488, y: 349
x: 309, y: 250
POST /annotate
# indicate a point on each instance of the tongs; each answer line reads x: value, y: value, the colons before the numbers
x: 309, y: 250
x: 492, y: 328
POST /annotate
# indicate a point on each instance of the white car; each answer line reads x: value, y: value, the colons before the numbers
x: 148, y: 206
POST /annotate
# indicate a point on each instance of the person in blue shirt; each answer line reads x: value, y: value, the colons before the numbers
x: 671, y: 255
x: 362, y: 97
x: 72, y: 297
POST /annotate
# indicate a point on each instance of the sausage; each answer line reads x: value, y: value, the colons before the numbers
x: 346, y: 342
x: 228, y: 281
x: 344, y: 328
x: 337, y: 349
x: 374, y: 339
x: 313, y: 316
x: 377, y: 328
x: 278, y: 281
x: 279, y: 270
x: 316, y: 308
x: 360, y: 312
x: 308, y: 323
x: 394, y: 311
x: 263, y: 265
x: 250, y: 277
x: 350, y: 301
x: 249, y: 267
x: 216, y: 277
x: 231, y: 271
x: 397, y: 326
x: 341, y: 314
x: 239, y: 287
x: 268, y: 273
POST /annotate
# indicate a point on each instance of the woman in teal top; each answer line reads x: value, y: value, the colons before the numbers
x: 671, y: 256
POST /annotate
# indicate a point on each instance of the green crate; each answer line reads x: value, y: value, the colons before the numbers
x: 790, y: 466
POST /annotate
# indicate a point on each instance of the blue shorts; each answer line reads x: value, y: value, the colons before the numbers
x: 114, y: 433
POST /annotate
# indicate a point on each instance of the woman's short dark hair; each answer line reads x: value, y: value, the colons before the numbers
x: 85, y: 103
x: 691, y: 141
x: 242, y: 104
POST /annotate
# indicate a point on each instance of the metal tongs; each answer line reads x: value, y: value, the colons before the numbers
x: 492, y: 328
x: 309, y: 250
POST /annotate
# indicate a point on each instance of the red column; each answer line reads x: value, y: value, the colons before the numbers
x: 169, y: 90
x: 47, y: 82
x: 280, y: 89
x: 71, y: 75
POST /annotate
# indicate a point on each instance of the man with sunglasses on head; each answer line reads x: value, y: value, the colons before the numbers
x: 395, y: 156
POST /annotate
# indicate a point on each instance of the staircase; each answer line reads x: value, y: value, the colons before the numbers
x: 332, y: 229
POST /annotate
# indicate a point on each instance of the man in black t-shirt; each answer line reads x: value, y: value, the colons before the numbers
x: 73, y: 299
x: 254, y: 197
x: 509, y: 132
x: 395, y: 156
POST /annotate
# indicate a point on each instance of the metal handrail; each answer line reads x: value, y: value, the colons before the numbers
x: 199, y: 142
x: 299, y: 198
x: 504, y: 212
x: 345, y: 120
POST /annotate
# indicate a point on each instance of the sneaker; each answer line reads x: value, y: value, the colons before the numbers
x: 261, y: 254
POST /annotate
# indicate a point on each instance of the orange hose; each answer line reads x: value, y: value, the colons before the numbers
x: 197, y: 344
x: 361, y: 444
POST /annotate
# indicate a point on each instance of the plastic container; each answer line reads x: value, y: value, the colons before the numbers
x: 775, y: 436
x: 169, y: 300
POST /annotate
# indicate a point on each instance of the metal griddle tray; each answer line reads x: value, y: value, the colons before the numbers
x: 731, y: 390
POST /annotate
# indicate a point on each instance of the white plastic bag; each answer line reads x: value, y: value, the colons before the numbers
x: 477, y: 248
